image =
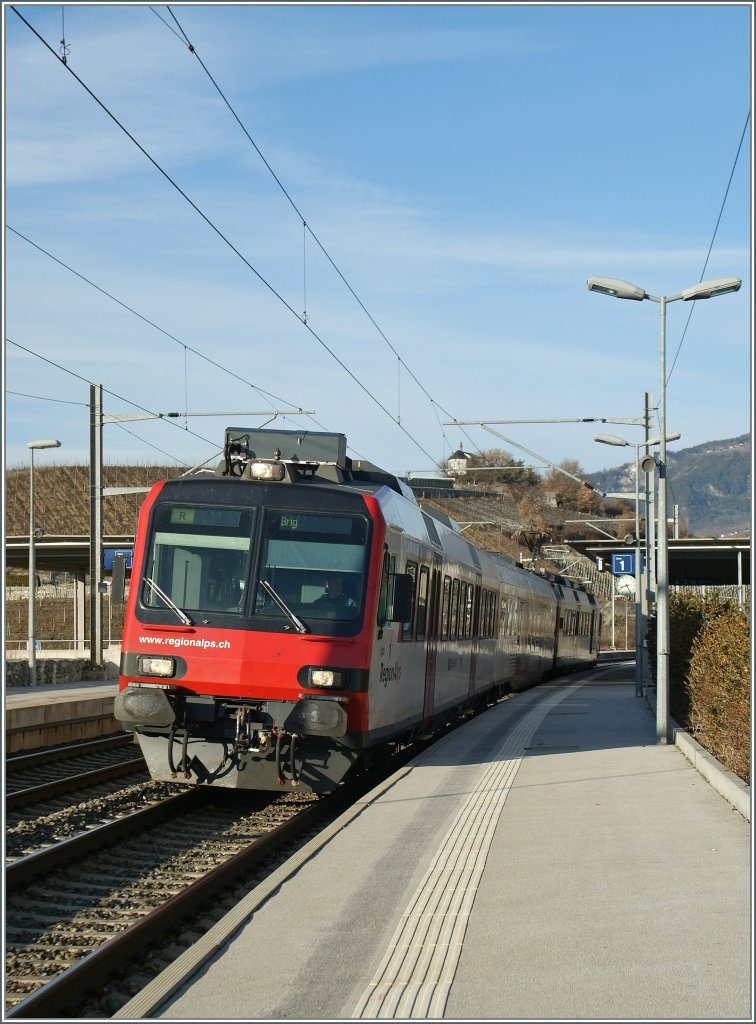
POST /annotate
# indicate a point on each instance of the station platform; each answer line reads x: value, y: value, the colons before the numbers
x: 37, y: 716
x: 546, y: 861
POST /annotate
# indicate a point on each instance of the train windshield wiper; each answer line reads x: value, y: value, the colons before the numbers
x: 183, y: 617
x: 295, y: 620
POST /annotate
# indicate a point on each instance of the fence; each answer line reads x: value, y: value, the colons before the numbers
x: 61, y: 618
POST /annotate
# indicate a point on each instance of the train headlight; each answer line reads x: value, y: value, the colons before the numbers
x: 326, y: 678
x: 149, y: 666
x: 267, y: 470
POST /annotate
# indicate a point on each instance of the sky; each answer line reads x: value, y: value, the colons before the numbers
x: 374, y: 220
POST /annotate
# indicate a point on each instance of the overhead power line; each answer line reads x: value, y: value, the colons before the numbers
x: 157, y: 327
x: 711, y: 244
x: 305, y: 224
x: 114, y: 394
x: 223, y: 237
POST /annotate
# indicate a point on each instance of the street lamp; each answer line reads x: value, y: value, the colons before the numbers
x: 33, y: 535
x: 620, y: 442
x: 624, y: 290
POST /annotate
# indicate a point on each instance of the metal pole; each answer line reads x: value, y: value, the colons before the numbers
x: 662, y: 567
x: 95, y: 523
x: 614, y: 648
x: 648, y: 568
x: 31, y: 653
x: 638, y: 598
x: 651, y: 513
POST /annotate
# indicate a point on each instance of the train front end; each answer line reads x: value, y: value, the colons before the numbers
x: 237, y: 668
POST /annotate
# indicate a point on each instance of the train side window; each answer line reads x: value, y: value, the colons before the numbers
x: 454, y: 616
x: 411, y: 570
x: 422, y: 603
x: 476, y: 598
x: 445, y: 602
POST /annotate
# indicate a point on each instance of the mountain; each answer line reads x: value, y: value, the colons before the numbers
x: 710, y: 483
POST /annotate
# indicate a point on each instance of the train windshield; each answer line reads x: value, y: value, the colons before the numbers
x: 315, y: 562
x: 199, y: 558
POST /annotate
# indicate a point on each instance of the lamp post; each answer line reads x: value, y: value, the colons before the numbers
x: 31, y: 647
x: 622, y: 443
x: 624, y: 290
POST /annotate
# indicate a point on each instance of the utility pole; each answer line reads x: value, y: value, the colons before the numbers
x: 95, y: 523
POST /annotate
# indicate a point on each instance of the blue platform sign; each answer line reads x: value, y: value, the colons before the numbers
x: 623, y: 563
x: 109, y: 554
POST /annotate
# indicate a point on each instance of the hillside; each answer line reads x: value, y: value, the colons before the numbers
x: 711, y: 483
x: 519, y: 513
x: 61, y: 498
x: 517, y: 520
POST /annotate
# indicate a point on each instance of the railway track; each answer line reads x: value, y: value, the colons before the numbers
x: 90, y: 921
x: 53, y: 793
x: 36, y: 776
x: 78, y: 911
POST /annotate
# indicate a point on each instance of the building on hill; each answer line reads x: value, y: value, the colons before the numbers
x: 458, y: 462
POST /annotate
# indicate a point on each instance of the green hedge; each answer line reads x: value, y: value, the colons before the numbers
x: 709, y: 675
x: 720, y: 692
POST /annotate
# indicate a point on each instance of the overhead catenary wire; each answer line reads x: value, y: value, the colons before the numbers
x: 172, y: 337
x: 44, y: 398
x: 268, y: 395
x: 305, y: 225
x: 223, y: 237
x: 711, y: 244
x: 107, y: 391
x: 180, y: 462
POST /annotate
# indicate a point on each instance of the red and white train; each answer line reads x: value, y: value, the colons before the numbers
x: 236, y: 670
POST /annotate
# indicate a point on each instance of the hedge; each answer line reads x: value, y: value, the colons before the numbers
x: 709, y: 675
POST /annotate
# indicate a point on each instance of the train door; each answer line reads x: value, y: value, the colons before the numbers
x: 431, y: 643
x: 472, y: 628
x: 555, y: 637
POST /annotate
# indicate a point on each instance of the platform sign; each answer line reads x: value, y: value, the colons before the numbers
x: 623, y: 563
x: 109, y: 554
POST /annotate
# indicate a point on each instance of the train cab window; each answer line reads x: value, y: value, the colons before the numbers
x: 302, y: 554
x: 385, y: 595
x: 198, y: 558
x: 422, y: 603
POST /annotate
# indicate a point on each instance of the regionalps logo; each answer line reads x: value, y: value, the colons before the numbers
x: 390, y: 673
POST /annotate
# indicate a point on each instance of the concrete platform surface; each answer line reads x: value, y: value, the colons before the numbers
x: 546, y: 861
x: 51, y: 693
x: 37, y: 716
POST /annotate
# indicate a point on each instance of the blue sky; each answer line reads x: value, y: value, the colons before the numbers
x: 465, y: 167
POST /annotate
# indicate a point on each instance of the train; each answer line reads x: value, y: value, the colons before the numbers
x: 294, y: 614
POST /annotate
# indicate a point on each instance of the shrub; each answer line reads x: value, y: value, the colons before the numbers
x: 719, y: 690
x: 687, y: 615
